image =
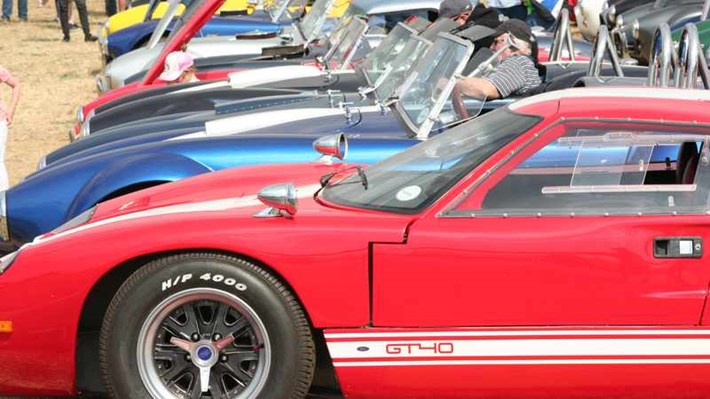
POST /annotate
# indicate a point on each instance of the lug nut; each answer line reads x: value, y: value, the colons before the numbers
x: 188, y: 358
x: 223, y: 358
x: 195, y: 337
x: 216, y: 337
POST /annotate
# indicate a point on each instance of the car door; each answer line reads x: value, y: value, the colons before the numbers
x: 590, y: 224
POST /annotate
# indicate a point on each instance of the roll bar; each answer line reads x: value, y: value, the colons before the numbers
x: 602, y: 44
x: 663, y: 58
x: 562, y: 36
x: 691, y: 60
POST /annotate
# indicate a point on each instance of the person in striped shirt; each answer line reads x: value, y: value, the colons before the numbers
x: 516, y: 72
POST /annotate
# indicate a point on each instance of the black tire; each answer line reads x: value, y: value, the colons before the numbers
x: 161, y: 294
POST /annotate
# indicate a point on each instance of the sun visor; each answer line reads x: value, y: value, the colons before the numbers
x: 441, y: 25
x: 476, y: 32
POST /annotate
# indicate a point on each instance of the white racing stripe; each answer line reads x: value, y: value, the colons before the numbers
x: 509, y: 333
x: 570, y: 347
x: 253, y: 77
x: 206, y: 206
x: 261, y: 120
x: 519, y: 362
x: 519, y: 347
x: 201, y: 87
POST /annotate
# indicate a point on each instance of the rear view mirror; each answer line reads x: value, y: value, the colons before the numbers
x: 333, y: 146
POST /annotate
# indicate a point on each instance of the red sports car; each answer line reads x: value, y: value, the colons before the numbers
x: 553, y: 248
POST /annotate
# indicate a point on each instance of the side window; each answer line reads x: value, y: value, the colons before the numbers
x: 600, y: 171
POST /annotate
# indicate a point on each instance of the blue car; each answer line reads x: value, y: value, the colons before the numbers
x: 137, y: 35
x: 281, y: 134
x: 269, y: 21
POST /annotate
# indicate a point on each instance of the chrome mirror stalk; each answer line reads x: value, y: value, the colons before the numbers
x: 280, y: 199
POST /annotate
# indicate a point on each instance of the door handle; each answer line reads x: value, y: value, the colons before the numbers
x: 677, y: 247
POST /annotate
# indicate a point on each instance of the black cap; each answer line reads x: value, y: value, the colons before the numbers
x: 482, y: 15
x: 518, y: 28
x: 452, y: 8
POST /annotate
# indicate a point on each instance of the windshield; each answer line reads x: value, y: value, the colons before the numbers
x: 659, y: 4
x: 424, y: 92
x: 415, y: 178
x: 312, y: 23
x: 401, y: 66
x: 382, y: 56
x: 190, y: 10
x: 285, y: 9
x: 348, y: 42
x: 152, y: 5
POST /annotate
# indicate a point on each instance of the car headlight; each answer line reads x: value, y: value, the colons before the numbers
x: 85, y: 129
x: 76, y: 221
x: 43, y: 161
x: 102, y: 83
x: 80, y: 114
x: 635, y: 30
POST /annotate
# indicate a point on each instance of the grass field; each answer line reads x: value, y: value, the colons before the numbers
x: 56, y: 78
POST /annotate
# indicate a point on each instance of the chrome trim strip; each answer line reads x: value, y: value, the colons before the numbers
x: 659, y: 188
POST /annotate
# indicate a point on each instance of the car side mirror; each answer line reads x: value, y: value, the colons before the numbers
x: 332, y: 146
x: 279, y: 198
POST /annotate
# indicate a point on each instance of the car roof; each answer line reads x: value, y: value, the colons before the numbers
x: 616, y: 97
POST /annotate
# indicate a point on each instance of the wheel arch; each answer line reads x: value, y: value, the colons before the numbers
x: 87, y: 368
x: 132, y: 173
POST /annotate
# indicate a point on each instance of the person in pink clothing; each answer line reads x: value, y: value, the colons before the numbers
x: 6, y: 116
x: 179, y: 68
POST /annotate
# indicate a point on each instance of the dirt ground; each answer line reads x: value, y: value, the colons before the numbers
x: 56, y: 78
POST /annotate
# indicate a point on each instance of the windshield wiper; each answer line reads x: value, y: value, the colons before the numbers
x: 326, y: 178
x: 363, y: 177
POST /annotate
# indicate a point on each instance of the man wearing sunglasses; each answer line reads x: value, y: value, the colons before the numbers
x: 516, y: 72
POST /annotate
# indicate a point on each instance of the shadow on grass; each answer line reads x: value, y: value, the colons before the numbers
x: 45, y: 39
x: 71, y: 75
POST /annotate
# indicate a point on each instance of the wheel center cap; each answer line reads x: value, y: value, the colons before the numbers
x: 205, y: 353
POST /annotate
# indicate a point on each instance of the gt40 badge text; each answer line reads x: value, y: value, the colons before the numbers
x: 217, y: 278
x: 436, y: 348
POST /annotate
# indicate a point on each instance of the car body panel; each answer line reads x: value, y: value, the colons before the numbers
x: 131, y: 38
x: 137, y: 14
x: 348, y: 282
x: 97, y: 177
x: 411, y: 362
x: 390, y: 321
